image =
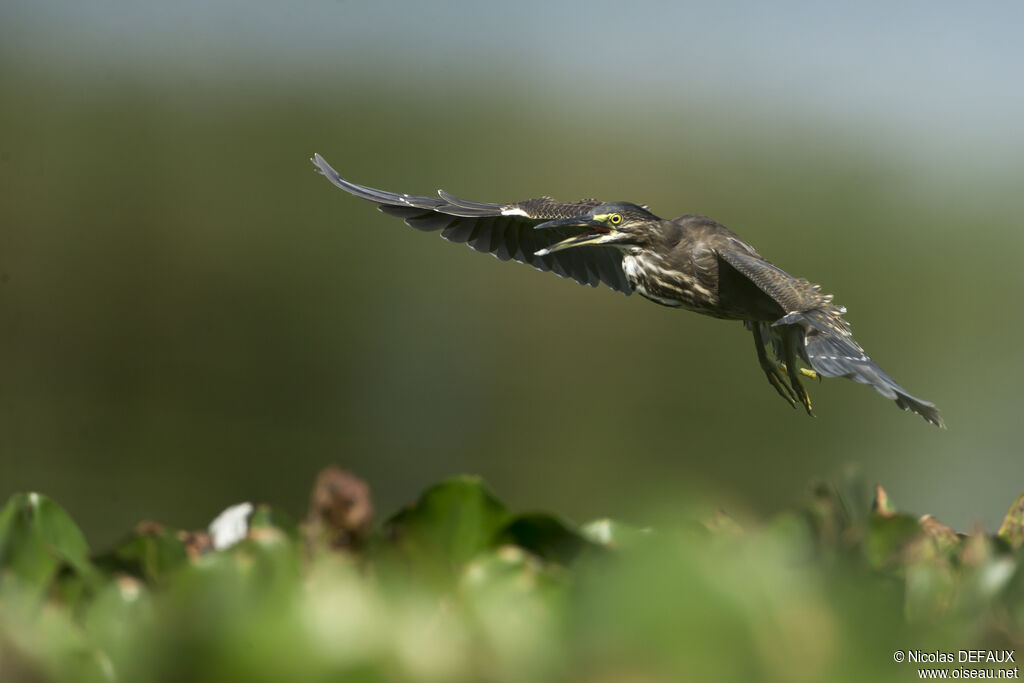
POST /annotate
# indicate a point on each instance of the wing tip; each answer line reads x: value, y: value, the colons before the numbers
x: 321, y: 166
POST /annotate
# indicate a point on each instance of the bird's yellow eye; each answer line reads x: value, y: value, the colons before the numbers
x: 615, y: 219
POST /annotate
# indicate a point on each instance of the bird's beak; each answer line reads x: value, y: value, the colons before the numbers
x: 597, y: 233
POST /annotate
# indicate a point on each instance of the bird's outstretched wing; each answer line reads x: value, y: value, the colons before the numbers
x: 504, y: 230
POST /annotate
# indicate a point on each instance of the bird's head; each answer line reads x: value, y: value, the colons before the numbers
x: 619, y: 224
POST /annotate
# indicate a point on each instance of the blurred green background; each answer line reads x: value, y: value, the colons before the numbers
x: 189, y: 316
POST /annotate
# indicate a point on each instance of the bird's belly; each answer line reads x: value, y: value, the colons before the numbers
x: 642, y: 290
x: 676, y: 289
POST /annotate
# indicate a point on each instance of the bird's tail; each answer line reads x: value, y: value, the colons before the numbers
x: 830, y: 350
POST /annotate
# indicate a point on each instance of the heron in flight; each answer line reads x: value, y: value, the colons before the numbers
x: 690, y: 262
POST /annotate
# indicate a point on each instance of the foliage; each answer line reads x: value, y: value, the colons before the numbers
x: 456, y: 587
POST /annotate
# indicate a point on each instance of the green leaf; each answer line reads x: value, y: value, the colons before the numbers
x: 266, y: 516
x: 513, y: 600
x: 546, y: 536
x: 508, y: 570
x: 887, y: 536
x: 793, y: 534
x: 37, y: 538
x: 446, y: 527
x: 1012, y: 528
x: 929, y: 590
x: 150, y: 554
x: 945, y: 539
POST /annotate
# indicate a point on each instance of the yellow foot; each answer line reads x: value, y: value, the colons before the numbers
x: 802, y: 396
x: 799, y: 393
x: 806, y: 400
x: 806, y: 372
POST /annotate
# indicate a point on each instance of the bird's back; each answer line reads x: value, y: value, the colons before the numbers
x: 748, y: 286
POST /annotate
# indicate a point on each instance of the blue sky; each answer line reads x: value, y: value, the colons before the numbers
x: 924, y: 74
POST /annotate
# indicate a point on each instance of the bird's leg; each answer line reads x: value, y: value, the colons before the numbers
x: 789, y: 351
x: 771, y: 368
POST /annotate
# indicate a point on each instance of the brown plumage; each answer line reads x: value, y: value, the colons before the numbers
x: 690, y: 262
